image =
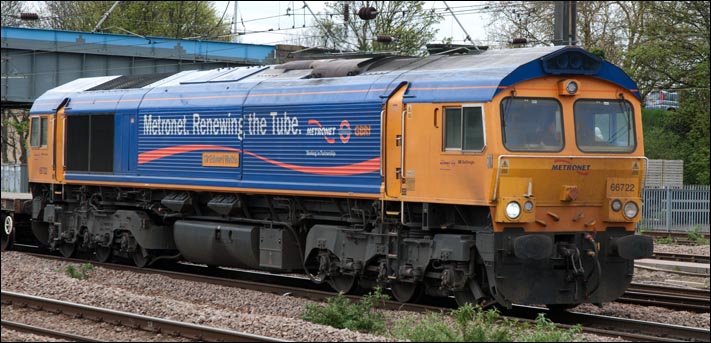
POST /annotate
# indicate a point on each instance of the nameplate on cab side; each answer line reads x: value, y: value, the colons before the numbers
x: 220, y: 159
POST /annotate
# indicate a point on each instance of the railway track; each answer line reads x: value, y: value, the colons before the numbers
x: 680, y: 299
x: 36, y: 330
x: 678, y: 237
x: 681, y: 257
x: 304, y: 288
x: 165, y: 326
x: 629, y: 329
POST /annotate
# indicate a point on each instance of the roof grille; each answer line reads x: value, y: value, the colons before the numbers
x: 130, y: 81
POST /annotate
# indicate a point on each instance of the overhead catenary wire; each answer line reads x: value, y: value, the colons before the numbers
x: 106, y: 15
x: 462, y: 26
x: 447, y: 11
x: 326, y: 29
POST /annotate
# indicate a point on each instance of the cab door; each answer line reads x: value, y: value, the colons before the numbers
x: 46, y: 158
x: 41, y: 163
x: 393, y: 145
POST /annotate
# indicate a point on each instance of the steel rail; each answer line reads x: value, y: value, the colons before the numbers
x: 35, y: 330
x: 165, y: 326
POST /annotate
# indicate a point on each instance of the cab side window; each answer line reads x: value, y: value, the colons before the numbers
x: 464, y: 129
x: 38, y: 136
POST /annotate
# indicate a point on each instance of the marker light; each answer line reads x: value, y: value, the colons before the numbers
x: 616, y: 205
x: 572, y: 87
x: 568, y: 87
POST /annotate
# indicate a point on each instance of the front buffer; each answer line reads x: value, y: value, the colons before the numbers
x: 564, y: 268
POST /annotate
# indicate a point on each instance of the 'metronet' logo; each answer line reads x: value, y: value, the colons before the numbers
x: 567, y: 165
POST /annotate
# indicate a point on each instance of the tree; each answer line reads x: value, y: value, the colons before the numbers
x: 408, y: 21
x: 532, y: 20
x: 183, y: 19
x: 11, y: 11
x: 605, y: 28
x: 15, y: 128
x: 674, y: 54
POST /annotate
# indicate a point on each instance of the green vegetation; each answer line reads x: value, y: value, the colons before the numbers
x: 465, y: 324
x: 472, y: 324
x: 545, y: 331
x: 665, y: 240
x: 340, y: 313
x: 82, y: 273
x: 696, y: 237
x: 173, y: 19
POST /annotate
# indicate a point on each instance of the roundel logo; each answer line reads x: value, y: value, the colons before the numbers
x: 344, y: 131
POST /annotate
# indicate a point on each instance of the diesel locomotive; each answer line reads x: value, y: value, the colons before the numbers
x: 505, y: 176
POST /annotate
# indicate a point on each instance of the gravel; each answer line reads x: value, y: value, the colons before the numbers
x: 82, y: 327
x: 8, y: 335
x: 659, y: 314
x: 163, y: 297
x: 219, y: 306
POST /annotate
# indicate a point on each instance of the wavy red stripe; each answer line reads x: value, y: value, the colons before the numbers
x: 346, y: 170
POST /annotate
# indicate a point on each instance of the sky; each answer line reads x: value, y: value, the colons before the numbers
x: 257, y: 17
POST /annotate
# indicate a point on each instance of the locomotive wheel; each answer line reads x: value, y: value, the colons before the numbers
x: 139, y: 259
x: 406, y: 291
x: 41, y: 231
x: 8, y: 234
x: 103, y: 254
x: 67, y: 249
x: 343, y: 283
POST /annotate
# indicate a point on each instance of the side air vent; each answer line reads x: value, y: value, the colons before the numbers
x: 130, y: 81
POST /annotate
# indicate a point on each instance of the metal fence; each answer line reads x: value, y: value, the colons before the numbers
x: 14, y: 178
x: 664, y: 173
x: 676, y: 210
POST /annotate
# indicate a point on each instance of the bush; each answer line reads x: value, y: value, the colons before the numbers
x: 696, y: 237
x: 477, y: 325
x: 81, y: 273
x: 467, y: 323
x: 431, y: 328
x: 340, y: 313
x: 545, y: 331
x: 472, y: 324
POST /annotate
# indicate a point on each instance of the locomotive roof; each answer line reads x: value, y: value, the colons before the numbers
x: 441, y: 78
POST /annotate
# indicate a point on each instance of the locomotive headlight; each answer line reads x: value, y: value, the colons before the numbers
x: 513, y: 210
x: 631, y: 209
x: 528, y: 206
x: 616, y: 205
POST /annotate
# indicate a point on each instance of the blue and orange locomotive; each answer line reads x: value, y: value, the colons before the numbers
x: 508, y: 176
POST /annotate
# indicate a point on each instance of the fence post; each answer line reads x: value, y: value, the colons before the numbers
x: 669, y: 208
